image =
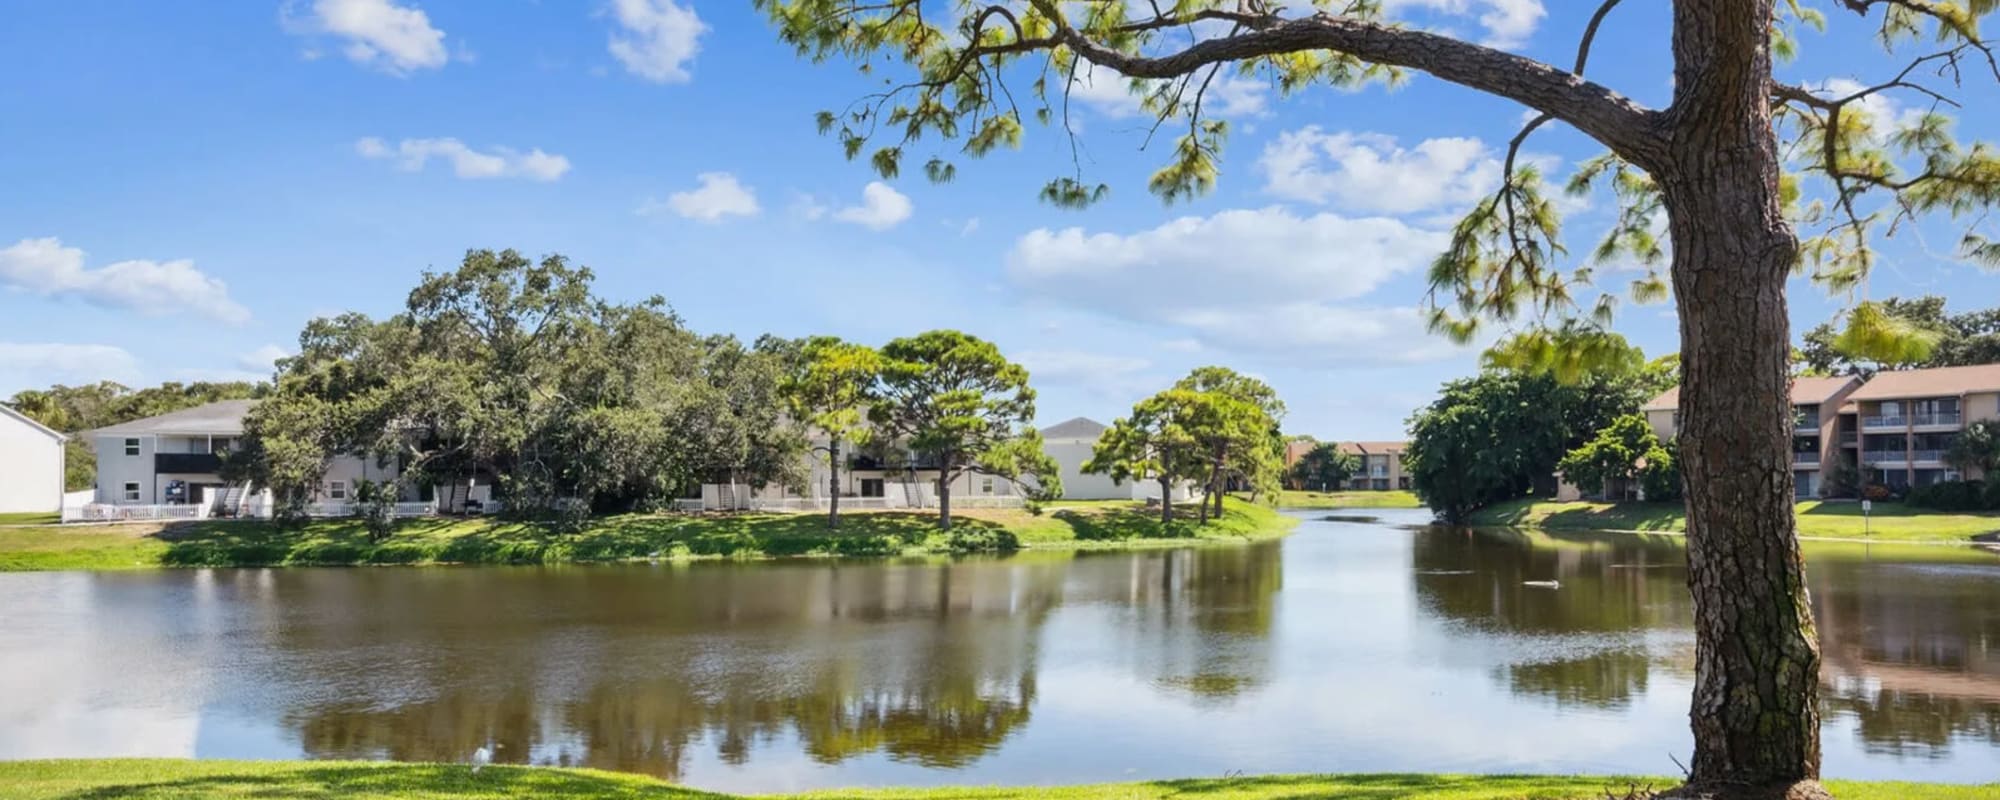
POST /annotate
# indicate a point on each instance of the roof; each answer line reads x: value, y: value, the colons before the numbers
x: 1938, y: 382
x: 1819, y: 390
x: 1381, y: 448
x: 1805, y: 390
x: 223, y: 418
x: 1078, y: 428
x: 1351, y: 448
x: 9, y: 412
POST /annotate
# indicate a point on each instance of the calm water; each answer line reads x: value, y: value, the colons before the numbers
x: 1348, y: 647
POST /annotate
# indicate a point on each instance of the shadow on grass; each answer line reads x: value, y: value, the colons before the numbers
x: 1121, y: 524
x: 439, y: 780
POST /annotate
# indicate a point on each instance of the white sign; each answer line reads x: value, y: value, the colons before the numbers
x: 1867, y: 506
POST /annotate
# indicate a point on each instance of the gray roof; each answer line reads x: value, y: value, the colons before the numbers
x: 223, y: 418
x: 1079, y: 428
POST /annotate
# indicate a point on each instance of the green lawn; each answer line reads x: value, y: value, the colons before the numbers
x: 1840, y: 520
x: 335, y: 542
x: 1357, y: 499
x: 31, y: 518
x: 156, y: 779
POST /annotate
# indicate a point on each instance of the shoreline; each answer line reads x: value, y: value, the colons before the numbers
x: 151, y: 779
x: 624, y: 539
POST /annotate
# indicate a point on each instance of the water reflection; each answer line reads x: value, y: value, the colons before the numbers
x: 1343, y: 648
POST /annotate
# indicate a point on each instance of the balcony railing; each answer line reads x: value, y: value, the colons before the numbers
x: 1885, y: 457
x: 1800, y: 457
x: 186, y: 463
x: 1927, y: 455
x: 1885, y: 422
x: 1849, y: 437
x: 1942, y: 418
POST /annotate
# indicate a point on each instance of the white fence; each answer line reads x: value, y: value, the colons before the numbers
x: 106, y: 512
x: 812, y: 504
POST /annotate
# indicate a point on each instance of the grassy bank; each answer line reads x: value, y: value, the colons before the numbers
x: 340, y: 542
x: 155, y: 779
x: 31, y: 518
x: 1357, y: 499
x: 1892, y: 522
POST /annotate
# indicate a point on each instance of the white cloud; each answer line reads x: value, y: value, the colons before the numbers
x: 34, y: 365
x: 720, y: 195
x: 411, y: 155
x: 1101, y: 374
x: 657, y: 40
x: 263, y: 359
x: 1258, y: 281
x: 882, y: 207
x: 1508, y: 23
x: 379, y: 33
x: 1370, y: 172
x: 1884, y: 112
x: 807, y: 207
x: 47, y: 268
x: 1110, y: 94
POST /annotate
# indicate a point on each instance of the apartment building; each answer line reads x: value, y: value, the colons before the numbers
x: 1893, y: 428
x: 1902, y: 423
x: 175, y: 459
x: 1380, y: 465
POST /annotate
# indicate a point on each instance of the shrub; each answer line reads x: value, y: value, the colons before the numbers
x: 1992, y: 495
x: 1876, y: 491
x: 1950, y: 496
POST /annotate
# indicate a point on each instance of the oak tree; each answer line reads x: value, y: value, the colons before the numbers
x: 1715, y: 161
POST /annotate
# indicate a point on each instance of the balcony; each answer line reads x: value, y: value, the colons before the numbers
x: 1881, y: 457
x: 1850, y: 438
x: 1928, y: 456
x: 186, y: 463
x: 1951, y: 418
x: 1885, y: 422
x: 1806, y: 459
x: 1378, y: 472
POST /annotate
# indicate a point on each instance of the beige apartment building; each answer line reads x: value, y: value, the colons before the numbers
x: 1903, y: 422
x: 1894, y: 428
x: 1381, y: 465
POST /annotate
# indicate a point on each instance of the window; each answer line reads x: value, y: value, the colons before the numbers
x: 220, y: 445
x: 131, y: 491
x: 871, y: 487
x: 336, y: 490
x: 985, y: 485
x: 131, y: 447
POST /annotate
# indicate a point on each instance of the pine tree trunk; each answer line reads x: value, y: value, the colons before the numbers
x: 1755, y: 710
x: 833, y: 485
x: 944, y: 496
x: 1166, y: 503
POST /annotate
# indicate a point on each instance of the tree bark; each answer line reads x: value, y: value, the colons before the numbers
x: 1166, y: 502
x: 944, y: 495
x: 1755, y: 709
x: 833, y: 485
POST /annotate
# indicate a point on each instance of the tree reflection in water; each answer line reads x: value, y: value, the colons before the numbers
x: 1912, y: 650
x: 930, y: 663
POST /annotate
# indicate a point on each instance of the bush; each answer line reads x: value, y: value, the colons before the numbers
x: 1876, y: 491
x: 1951, y: 496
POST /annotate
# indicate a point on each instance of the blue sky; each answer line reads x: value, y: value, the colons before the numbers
x: 180, y: 192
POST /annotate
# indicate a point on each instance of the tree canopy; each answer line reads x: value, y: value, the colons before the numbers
x: 956, y: 399
x: 1624, y: 452
x: 1502, y: 434
x: 1158, y: 442
x: 1928, y: 335
x: 1324, y: 468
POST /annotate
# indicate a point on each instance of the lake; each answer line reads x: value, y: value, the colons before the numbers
x: 1350, y: 646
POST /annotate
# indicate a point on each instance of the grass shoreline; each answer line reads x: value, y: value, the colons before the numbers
x: 157, y: 779
x: 1354, y: 498
x: 1817, y: 520
x: 622, y: 538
